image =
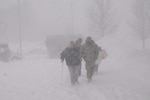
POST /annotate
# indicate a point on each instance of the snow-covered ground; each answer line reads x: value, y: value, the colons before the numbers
x: 124, y: 75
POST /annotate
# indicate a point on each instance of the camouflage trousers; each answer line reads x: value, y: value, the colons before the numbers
x: 90, y: 67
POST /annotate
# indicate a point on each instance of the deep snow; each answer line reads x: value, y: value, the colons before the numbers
x: 124, y: 75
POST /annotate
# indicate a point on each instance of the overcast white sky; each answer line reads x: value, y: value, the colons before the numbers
x: 43, y: 17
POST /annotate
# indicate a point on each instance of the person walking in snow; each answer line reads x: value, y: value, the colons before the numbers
x: 79, y: 42
x: 98, y: 60
x: 79, y: 45
x: 90, y: 53
x: 101, y: 56
x: 71, y: 55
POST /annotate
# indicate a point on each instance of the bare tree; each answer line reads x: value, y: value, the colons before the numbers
x: 3, y: 25
x: 142, y: 21
x: 102, y: 18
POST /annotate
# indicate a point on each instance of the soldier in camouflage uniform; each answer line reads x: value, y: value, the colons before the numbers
x: 90, y: 53
x: 79, y: 45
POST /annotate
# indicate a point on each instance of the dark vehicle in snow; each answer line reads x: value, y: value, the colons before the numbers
x: 5, y: 53
x: 56, y: 43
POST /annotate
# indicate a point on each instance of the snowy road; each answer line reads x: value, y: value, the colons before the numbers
x: 40, y: 79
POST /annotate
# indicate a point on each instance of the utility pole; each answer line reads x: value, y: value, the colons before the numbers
x: 144, y: 23
x: 19, y: 27
x: 72, y: 17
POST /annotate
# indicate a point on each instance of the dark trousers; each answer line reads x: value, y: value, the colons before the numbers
x: 74, y: 73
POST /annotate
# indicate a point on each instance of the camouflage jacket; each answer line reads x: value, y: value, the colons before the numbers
x: 90, y: 52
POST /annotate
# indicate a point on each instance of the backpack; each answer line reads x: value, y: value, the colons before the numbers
x: 99, y: 58
x: 104, y: 54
